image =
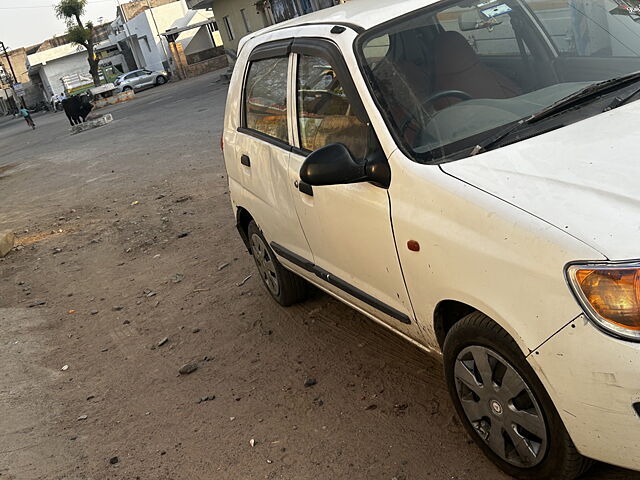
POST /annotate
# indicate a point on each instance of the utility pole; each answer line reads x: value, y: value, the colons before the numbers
x: 13, y: 73
x: 129, y: 39
x: 166, y: 55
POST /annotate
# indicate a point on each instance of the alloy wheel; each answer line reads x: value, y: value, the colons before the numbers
x: 500, y: 406
x: 265, y: 263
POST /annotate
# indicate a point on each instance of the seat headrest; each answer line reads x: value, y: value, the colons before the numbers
x: 453, y: 54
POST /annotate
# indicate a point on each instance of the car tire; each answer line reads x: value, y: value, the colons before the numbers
x: 477, y: 347
x: 126, y: 89
x: 161, y: 80
x: 284, y: 286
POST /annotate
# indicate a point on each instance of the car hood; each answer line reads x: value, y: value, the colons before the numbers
x: 583, y: 178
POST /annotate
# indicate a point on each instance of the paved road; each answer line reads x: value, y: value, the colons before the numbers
x: 102, y: 216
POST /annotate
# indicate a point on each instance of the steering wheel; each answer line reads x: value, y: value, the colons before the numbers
x: 447, y: 93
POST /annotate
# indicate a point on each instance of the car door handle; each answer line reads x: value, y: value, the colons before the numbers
x: 305, y: 188
x: 245, y: 160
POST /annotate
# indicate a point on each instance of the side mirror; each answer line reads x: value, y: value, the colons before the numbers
x: 333, y: 164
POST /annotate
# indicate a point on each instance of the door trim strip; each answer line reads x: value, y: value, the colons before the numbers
x: 339, y: 283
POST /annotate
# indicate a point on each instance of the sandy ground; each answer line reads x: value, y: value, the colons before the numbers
x: 129, y: 268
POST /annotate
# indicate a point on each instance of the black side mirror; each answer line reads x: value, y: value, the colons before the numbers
x: 333, y: 164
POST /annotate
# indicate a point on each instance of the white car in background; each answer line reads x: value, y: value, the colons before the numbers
x: 465, y: 173
x: 137, y: 80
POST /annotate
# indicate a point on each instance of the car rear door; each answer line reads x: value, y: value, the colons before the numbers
x: 261, y: 146
x: 348, y: 227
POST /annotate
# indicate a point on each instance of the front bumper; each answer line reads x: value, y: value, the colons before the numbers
x: 594, y: 382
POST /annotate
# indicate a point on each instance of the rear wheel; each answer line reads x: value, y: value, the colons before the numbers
x: 504, y: 406
x: 284, y: 286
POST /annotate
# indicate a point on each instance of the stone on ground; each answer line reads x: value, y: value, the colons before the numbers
x: 7, y: 240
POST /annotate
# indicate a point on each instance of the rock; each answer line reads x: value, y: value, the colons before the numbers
x: 151, y: 294
x: 89, y: 124
x: 188, y: 368
x: 222, y: 266
x: 117, y: 308
x: 244, y: 280
x: 7, y: 240
x: 183, y: 199
x: 183, y: 234
x: 126, y: 322
x: 65, y: 368
x: 104, y: 350
x: 91, y: 397
x: 37, y: 304
x: 56, y: 251
x: 163, y: 341
x: 195, y: 330
x: 83, y: 417
x: 177, y: 278
x: 114, y: 460
x: 310, y: 382
x: 252, y: 442
x: 373, y: 406
x: 206, y: 399
x: 94, y: 312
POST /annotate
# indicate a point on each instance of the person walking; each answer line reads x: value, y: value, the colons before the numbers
x: 27, y: 116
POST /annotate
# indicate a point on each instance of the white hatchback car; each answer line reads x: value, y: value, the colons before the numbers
x: 464, y: 173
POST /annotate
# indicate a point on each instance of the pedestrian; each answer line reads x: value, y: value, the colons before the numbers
x: 27, y: 116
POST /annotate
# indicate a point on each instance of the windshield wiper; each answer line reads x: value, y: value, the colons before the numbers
x: 619, y: 101
x: 583, y: 96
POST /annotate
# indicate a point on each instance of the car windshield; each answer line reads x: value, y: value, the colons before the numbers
x: 447, y: 76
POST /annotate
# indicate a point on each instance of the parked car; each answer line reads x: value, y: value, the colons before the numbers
x: 140, y: 79
x: 465, y: 174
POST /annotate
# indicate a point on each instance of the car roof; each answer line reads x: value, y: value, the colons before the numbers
x: 360, y: 14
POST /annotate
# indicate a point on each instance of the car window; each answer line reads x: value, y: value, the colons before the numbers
x: 590, y: 28
x: 497, y: 38
x: 266, y: 97
x: 324, y: 113
x: 451, y: 75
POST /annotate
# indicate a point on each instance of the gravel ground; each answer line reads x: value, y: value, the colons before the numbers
x: 129, y: 268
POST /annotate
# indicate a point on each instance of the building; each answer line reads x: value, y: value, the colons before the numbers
x: 237, y: 18
x: 138, y: 32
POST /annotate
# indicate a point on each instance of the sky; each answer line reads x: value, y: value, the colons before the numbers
x: 28, y: 22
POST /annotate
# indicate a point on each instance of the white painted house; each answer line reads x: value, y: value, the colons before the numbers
x: 141, y: 35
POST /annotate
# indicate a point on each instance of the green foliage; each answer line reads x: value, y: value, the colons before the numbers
x: 79, y: 35
x: 68, y: 9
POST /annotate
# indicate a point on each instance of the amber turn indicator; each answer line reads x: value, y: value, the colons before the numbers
x: 413, y: 246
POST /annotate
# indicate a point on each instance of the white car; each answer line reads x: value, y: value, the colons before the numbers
x: 466, y: 173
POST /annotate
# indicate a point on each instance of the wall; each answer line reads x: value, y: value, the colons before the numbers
x: 136, y: 7
x: 52, y: 71
x: 18, y: 59
x: 144, y: 26
x: 231, y: 8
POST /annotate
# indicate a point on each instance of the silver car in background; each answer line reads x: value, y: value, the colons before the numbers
x: 140, y: 79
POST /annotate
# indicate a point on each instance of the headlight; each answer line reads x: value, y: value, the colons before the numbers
x: 610, y: 295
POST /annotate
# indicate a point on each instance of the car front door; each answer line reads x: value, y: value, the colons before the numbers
x: 348, y: 227
x: 261, y: 148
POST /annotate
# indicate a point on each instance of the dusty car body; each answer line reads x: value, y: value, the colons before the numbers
x: 457, y: 172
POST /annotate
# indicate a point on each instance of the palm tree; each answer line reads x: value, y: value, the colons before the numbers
x: 77, y: 32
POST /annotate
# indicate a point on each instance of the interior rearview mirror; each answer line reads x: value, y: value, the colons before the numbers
x: 475, y: 20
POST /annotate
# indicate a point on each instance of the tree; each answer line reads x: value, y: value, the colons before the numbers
x: 77, y: 32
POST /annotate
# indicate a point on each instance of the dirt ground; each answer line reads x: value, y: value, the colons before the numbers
x: 129, y: 267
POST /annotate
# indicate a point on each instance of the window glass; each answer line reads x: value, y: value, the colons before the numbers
x: 497, y: 38
x: 450, y: 76
x: 266, y: 97
x: 590, y: 28
x: 325, y: 115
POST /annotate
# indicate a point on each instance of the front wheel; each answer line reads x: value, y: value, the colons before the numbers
x: 504, y: 406
x: 284, y: 286
x: 161, y: 80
